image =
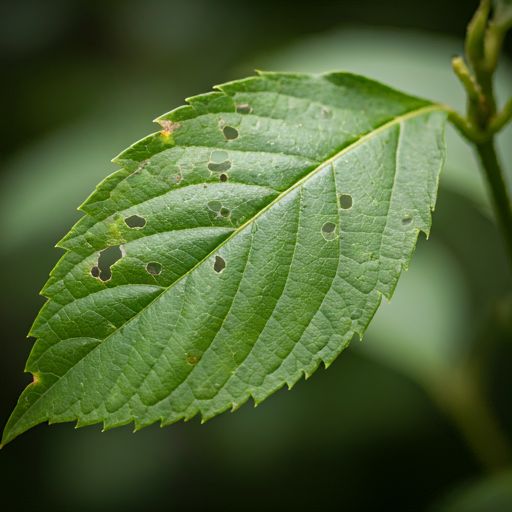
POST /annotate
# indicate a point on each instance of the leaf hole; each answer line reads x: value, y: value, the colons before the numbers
x: 329, y: 227
x: 135, y: 221
x: 244, y: 108
x: 346, y: 201
x: 406, y: 220
x: 108, y: 257
x: 329, y: 231
x: 95, y: 271
x: 225, y: 212
x: 215, y: 206
x: 154, y: 268
x: 223, y: 177
x: 219, y: 264
x: 223, y: 166
x: 230, y: 133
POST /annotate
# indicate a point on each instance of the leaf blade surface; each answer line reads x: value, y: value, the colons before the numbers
x: 251, y: 177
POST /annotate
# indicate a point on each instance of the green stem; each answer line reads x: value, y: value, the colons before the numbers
x: 502, y: 119
x: 460, y: 396
x: 498, y: 189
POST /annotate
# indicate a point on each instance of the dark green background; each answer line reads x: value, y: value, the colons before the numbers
x: 358, y: 437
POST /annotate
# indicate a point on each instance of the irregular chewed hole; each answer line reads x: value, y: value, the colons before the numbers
x: 224, y: 212
x: 215, y: 206
x: 346, y: 201
x: 219, y: 264
x: 230, y: 133
x: 223, y: 166
x: 107, y: 258
x: 135, y: 222
x: 244, y: 108
x: 95, y: 271
x: 218, y: 156
x: 406, y: 220
x: 223, y: 177
x: 154, y: 268
x: 329, y: 231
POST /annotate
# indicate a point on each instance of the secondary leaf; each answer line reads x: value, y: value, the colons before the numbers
x: 234, y: 251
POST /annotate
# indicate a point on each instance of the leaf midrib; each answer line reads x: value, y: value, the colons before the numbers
x: 361, y: 140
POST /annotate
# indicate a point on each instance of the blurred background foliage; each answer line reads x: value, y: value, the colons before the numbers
x: 414, y: 417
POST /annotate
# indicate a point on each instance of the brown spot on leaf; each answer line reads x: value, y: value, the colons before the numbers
x: 168, y: 126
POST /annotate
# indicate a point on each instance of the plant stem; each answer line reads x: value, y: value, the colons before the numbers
x: 499, y: 192
x: 460, y: 396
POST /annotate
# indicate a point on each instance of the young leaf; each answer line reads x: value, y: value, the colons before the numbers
x: 248, y: 241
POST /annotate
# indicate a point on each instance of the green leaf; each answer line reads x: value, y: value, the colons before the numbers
x: 252, y: 237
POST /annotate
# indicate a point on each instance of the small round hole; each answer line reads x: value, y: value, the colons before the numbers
x: 219, y: 264
x: 406, y: 220
x: 230, y: 133
x: 135, y: 222
x: 154, y: 268
x: 95, y: 271
x: 329, y: 227
x: 345, y: 201
x: 329, y: 231
x: 225, y: 212
x: 215, y: 206
x: 244, y: 108
x: 223, y: 177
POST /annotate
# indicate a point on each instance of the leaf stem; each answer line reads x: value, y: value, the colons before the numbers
x: 499, y: 121
x: 499, y: 192
x: 484, y: 39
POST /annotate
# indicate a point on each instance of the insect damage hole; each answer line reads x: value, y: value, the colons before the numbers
x: 95, y: 271
x: 219, y: 264
x: 406, y: 220
x: 108, y: 257
x: 223, y: 166
x: 346, y: 201
x: 219, y: 161
x: 230, y: 133
x: 153, y: 268
x: 223, y: 177
x: 329, y: 231
x: 244, y: 108
x: 135, y: 222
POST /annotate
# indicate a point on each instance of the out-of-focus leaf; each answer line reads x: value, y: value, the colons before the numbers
x: 257, y: 232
